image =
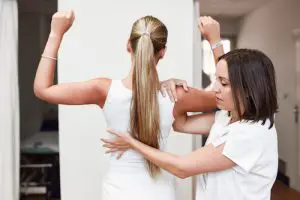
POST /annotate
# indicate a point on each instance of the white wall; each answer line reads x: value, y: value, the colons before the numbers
x: 96, y: 46
x: 269, y: 29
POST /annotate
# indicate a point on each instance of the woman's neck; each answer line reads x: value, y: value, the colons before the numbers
x: 128, y: 79
x: 234, y: 116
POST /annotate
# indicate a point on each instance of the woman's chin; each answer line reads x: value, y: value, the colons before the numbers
x: 220, y: 106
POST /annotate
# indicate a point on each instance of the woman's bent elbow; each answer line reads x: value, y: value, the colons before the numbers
x: 38, y: 93
x: 182, y: 175
x: 182, y: 172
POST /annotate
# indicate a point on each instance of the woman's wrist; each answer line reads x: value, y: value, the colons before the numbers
x: 52, y: 46
x: 215, y: 40
x: 133, y: 143
x: 216, y: 45
x: 55, y: 36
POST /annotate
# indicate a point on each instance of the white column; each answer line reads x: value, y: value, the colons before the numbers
x: 9, y: 101
x: 96, y: 46
x: 197, y: 76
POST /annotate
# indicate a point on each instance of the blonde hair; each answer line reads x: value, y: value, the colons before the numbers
x: 148, y: 36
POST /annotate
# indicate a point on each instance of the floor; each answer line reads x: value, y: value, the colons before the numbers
x: 279, y: 192
x: 282, y: 192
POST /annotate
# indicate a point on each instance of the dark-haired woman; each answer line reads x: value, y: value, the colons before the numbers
x: 240, y: 158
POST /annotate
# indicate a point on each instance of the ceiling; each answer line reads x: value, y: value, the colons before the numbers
x: 229, y: 8
x: 225, y: 8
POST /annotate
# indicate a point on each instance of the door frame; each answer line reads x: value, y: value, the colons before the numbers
x: 296, y: 35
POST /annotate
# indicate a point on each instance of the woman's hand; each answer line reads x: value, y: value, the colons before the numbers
x: 61, y: 23
x: 169, y: 87
x: 210, y: 29
x: 121, y: 143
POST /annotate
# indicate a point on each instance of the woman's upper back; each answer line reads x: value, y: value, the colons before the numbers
x: 117, y: 115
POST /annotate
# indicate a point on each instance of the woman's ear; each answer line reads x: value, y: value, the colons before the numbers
x: 162, y: 53
x: 129, y: 49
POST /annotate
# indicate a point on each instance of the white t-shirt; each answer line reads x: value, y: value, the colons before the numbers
x: 253, y: 148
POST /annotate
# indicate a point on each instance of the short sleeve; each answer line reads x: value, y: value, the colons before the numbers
x: 244, y: 145
x: 220, y: 115
x: 220, y: 129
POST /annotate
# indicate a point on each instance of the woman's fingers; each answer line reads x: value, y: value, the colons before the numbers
x: 163, y: 90
x: 173, y: 91
x: 106, y: 141
x: 120, y: 155
x: 183, y: 84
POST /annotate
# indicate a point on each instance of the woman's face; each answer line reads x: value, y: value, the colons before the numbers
x: 222, y: 87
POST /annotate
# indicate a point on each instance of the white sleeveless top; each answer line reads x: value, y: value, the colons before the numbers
x: 117, y: 115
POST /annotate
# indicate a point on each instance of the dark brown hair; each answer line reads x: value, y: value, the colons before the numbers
x: 252, y: 78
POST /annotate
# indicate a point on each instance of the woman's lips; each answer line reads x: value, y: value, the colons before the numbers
x: 218, y: 99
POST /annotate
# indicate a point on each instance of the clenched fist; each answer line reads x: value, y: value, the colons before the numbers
x: 210, y: 29
x: 61, y: 22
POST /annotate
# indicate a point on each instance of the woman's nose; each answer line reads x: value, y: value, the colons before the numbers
x: 216, y: 87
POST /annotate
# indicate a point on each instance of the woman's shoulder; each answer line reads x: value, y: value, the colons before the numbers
x: 221, y: 116
x: 259, y: 130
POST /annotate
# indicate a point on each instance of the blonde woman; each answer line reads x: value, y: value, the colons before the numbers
x: 133, y: 103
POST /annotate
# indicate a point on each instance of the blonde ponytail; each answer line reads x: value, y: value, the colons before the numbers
x: 145, y: 118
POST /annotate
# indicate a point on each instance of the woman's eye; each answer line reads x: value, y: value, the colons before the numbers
x: 224, y: 84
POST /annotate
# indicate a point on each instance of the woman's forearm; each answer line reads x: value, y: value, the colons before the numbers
x: 46, y: 70
x: 205, y: 159
x: 164, y: 160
